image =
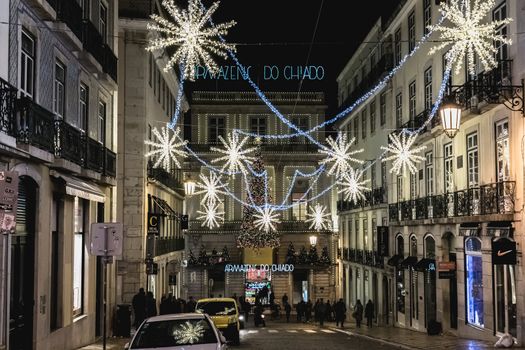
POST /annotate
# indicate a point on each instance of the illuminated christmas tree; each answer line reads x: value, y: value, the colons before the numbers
x: 303, y: 256
x: 325, y: 257
x: 253, y: 236
x: 290, y: 254
x: 313, y: 258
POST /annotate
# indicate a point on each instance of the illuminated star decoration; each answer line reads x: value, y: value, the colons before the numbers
x: 211, y: 186
x: 167, y: 148
x: 193, y: 35
x: 266, y: 218
x: 189, y: 333
x: 234, y: 154
x: 468, y: 36
x: 402, y: 154
x: 352, y: 185
x: 318, y: 217
x: 340, y: 154
x: 211, y: 215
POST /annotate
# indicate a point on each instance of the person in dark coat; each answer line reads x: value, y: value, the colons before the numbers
x: 300, y: 310
x: 316, y: 311
x: 190, y: 305
x: 139, y: 307
x: 151, y: 305
x: 322, y: 311
x: 284, y: 299
x: 340, y: 313
x: 308, y: 311
x: 369, y: 312
x: 246, y: 307
x: 288, y: 310
x: 163, y: 307
x: 358, y: 313
x: 329, y: 312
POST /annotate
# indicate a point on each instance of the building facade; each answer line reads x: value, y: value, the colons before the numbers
x: 446, y: 220
x: 57, y: 133
x: 150, y: 198
x: 209, y: 252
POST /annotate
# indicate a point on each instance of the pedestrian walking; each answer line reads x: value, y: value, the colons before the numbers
x: 369, y: 312
x: 151, y: 305
x: 340, y: 313
x: 288, y: 310
x: 316, y: 311
x: 358, y: 313
x: 329, y: 311
x: 322, y: 310
x: 300, y: 307
x: 139, y: 307
x: 163, y: 308
x: 246, y: 308
x: 308, y: 312
x: 190, y: 305
x: 284, y: 299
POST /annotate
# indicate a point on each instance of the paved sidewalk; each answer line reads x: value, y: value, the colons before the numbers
x: 409, y: 339
x: 111, y: 344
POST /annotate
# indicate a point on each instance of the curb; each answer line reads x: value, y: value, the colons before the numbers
x: 379, y: 340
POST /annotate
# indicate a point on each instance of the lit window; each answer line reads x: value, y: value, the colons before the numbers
x: 78, y: 257
x: 474, y: 281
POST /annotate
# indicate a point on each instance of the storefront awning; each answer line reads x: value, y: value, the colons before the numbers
x: 395, y: 259
x: 425, y: 264
x: 410, y: 261
x: 164, y: 206
x: 80, y: 188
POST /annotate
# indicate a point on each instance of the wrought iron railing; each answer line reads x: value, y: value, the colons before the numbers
x: 135, y: 8
x: 165, y: 245
x: 110, y: 63
x: 70, y: 13
x: 35, y: 125
x: 7, y: 107
x: 92, y: 41
x: 171, y: 179
x: 70, y: 142
x: 376, y: 196
x: 110, y: 163
x: 494, y: 198
x: 94, y: 155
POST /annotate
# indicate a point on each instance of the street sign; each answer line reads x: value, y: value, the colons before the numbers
x: 153, y: 224
x: 8, y: 200
x: 106, y: 239
x: 446, y: 265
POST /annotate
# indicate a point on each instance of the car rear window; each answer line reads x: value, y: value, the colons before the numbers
x: 216, y: 308
x: 178, y: 332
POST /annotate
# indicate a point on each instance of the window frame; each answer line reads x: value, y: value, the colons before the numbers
x: 427, y: 16
x: 397, y: 45
x: 473, y: 167
x: 448, y: 165
x: 372, y: 116
x: 25, y: 57
x: 429, y: 173
x: 103, y: 19
x: 427, y: 78
x: 412, y: 100
x: 83, y: 102
x: 216, y: 127
x: 411, y: 31
x: 363, y: 123
x: 59, y: 89
x: 102, y: 121
x: 382, y: 109
x: 399, y: 110
x: 85, y: 207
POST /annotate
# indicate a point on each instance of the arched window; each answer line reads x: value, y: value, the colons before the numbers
x: 430, y: 247
x: 474, y: 281
x: 400, y: 245
x: 413, y: 246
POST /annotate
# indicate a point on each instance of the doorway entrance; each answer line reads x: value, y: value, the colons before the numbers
x: 300, y: 286
x: 23, y: 268
x: 505, y: 299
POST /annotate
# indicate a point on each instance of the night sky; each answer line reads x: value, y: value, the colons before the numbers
x: 278, y: 33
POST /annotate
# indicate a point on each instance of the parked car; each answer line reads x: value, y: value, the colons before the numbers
x: 178, y: 332
x: 225, y: 314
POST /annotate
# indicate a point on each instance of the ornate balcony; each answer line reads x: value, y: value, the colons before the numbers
x: 495, y: 198
x: 70, y: 13
x: 110, y: 163
x: 165, y: 245
x: 94, y: 155
x: 110, y: 63
x: 7, y: 108
x: 70, y: 142
x: 375, y: 197
x: 35, y: 125
x: 92, y: 41
x: 172, y: 179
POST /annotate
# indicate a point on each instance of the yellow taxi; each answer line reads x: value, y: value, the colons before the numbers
x: 224, y: 314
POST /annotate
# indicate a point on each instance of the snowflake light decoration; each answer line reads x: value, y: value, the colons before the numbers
x: 352, y: 185
x: 266, y: 218
x: 318, y: 217
x: 189, y: 333
x: 166, y: 148
x: 402, y: 154
x: 467, y: 35
x: 210, y: 216
x: 234, y: 154
x: 211, y: 186
x: 340, y: 154
x: 192, y: 33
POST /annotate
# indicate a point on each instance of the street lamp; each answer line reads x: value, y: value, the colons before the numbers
x: 189, y: 186
x: 450, y: 118
x: 313, y: 240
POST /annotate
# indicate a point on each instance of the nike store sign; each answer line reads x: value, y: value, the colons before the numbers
x: 503, y: 251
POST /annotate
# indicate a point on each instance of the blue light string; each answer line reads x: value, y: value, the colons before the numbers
x: 178, y: 103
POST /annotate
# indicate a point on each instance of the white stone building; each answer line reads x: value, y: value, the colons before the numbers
x: 465, y: 196
x: 57, y: 131
x: 215, y: 114
x: 150, y: 199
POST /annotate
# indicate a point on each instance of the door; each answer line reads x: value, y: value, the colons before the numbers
x: 100, y: 281
x: 22, y: 268
x: 453, y: 290
x: 386, y: 300
x: 505, y: 299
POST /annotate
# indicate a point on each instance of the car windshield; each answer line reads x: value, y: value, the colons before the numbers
x: 217, y: 308
x: 180, y: 332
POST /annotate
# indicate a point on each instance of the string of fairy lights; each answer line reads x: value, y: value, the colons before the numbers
x: 197, y: 39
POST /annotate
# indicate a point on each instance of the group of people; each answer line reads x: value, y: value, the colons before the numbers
x: 368, y: 311
x: 145, y: 305
x: 322, y: 311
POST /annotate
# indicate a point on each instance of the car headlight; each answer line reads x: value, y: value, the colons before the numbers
x: 241, y: 318
x: 262, y: 316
